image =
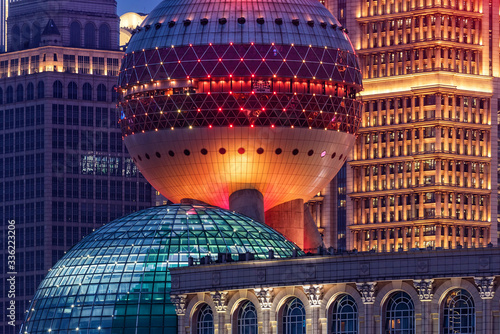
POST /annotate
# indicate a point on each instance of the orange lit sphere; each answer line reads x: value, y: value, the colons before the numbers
x: 220, y: 96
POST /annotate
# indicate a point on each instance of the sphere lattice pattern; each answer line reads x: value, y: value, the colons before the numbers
x: 282, y: 71
x: 116, y: 280
x: 229, y: 92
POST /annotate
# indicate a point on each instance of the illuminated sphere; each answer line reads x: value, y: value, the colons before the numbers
x: 116, y: 280
x: 220, y: 96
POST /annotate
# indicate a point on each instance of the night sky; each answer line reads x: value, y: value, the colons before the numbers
x: 140, y: 6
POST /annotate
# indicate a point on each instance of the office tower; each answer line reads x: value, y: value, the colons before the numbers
x: 423, y: 171
x: 64, y: 170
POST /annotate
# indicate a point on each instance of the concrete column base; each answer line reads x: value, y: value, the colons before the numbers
x: 249, y: 202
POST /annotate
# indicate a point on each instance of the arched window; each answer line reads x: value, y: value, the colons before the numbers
x: 114, y: 93
x: 19, y: 93
x: 25, y: 36
x: 75, y: 34
x: 104, y: 38
x: 344, y: 315
x: 30, y: 92
x: 459, y: 313
x: 57, y: 90
x: 9, y: 94
x: 399, y: 314
x: 1, y: 96
x: 101, y: 92
x: 87, y: 92
x: 205, y: 320
x: 247, y: 318
x: 16, y: 39
x: 37, y: 34
x: 294, y: 317
x: 40, y: 90
x: 89, y: 36
x: 72, y: 91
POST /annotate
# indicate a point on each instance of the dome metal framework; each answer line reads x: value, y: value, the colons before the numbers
x: 116, y: 280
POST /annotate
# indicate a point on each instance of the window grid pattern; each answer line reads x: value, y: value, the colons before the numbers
x: 247, y: 319
x: 459, y: 313
x: 205, y: 320
x: 344, y: 316
x: 117, y: 278
x: 400, y: 314
x: 294, y: 317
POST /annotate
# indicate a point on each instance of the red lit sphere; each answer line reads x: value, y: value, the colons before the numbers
x: 220, y: 96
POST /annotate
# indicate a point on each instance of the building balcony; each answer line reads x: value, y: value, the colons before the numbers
x: 426, y: 121
x: 436, y: 154
x: 419, y: 188
x: 415, y: 221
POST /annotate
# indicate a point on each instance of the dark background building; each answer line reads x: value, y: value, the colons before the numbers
x: 63, y: 168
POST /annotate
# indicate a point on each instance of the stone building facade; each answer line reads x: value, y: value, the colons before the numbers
x: 403, y: 292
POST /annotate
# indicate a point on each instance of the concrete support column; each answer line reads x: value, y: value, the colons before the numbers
x: 462, y: 235
x: 412, y: 237
x: 288, y: 219
x: 470, y: 231
x: 446, y: 236
x: 249, y: 202
x: 453, y: 236
x: 421, y: 236
x: 379, y: 240
x: 437, y: 242
x: 387, y: 239
x: 405, y: 240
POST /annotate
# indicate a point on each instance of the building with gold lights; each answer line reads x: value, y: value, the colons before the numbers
x: 423, y: 171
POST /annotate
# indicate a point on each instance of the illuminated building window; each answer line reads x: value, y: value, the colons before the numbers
x: 247, y: 318
x: 294, y: 317
x: 459, y: 313
x: 344, y: 316
x: 400, y: 314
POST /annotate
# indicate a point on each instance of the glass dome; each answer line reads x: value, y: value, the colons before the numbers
x: 116, y: 279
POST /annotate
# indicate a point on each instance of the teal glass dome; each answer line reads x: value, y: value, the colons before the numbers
x: 116, y: 280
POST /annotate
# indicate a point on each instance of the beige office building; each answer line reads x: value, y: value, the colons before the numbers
x: 423, y: 171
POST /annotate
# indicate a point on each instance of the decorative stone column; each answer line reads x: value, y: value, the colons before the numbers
x: 486, y: 292
x: 367, y: 291
x: 265, y: 297
x: 220, y: 301
x: 425, y: 294
x: 313, y: 293
x: 180, y: 303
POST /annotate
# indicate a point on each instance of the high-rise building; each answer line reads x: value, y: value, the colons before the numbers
x: 63, y: 168
x: 424, y: 168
